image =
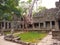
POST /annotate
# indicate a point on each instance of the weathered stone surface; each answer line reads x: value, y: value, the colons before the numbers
x: 57, y: 4
x: 15, y: 39
x: 56, y: 35
x: 59, y: 0
x: 32, y: 44
x: 4, y: 42
x: 11, y: 38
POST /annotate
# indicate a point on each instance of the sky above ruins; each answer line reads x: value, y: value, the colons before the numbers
x: 49, y: 3
x: 46, y: 3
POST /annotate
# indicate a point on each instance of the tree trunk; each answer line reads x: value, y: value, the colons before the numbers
x: 12, y: 30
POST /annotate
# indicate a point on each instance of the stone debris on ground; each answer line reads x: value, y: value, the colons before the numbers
x: 46, y: 41
x: 4, y: 42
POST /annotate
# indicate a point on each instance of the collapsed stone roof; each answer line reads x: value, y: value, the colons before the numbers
x: 51, y: 11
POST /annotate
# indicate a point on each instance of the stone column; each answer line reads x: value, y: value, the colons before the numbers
x: 12, y: 25
x: 12, y: 28
x: 7, y: 25
x: 4, y: 24
x: 33, y: 26
x: 56, y: 25
x: 3, y: 28
x: 44, y: 25
x: 50, y: 24
x: 39, y: 25
x: 23, y: 25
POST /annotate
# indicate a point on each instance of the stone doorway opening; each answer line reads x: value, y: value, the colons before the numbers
x: 59, y: 23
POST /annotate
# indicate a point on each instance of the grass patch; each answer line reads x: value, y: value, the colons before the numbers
x: 7, y: 32
x: 31, y: 36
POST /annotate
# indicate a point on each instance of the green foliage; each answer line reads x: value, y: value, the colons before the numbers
x: 29, y: 1
x: 41, y: 8
x: 9, y: 6
x: 25, y: 5
x: 7, y: 16
x: 31, y: 36
x: 9, y: 2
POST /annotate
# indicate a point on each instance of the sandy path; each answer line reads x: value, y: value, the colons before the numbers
x: 47, y: 40
x: 3, y: 42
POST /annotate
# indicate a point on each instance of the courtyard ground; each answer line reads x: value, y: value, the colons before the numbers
x: 46, y: 41
x: 32, y: 37
x: 3, y: 42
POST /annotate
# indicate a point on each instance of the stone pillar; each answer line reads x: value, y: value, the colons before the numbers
x: 56, y: 25
x: 12, y: 28
x: 39, y: 25
x: 7, y: 25
x: 33, y: 26
x: 12, y: 25
x: 44, y: 25
x: 3, y: 28
x: 23, y: 25
x: 50, y: 24
x: 4, y: 25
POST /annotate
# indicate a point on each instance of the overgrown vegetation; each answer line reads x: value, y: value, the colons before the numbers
x: 8, y: 8
x: 32, y: 36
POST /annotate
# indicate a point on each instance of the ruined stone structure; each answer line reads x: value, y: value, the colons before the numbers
x: 45, y: 20
x: 56, y: 31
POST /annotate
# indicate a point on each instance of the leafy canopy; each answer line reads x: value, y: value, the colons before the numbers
x: 9, y: 6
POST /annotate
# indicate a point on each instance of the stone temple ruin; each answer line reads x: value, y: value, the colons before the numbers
x: 42, y: 21
x: 56, y: 31
x: 47, y: 20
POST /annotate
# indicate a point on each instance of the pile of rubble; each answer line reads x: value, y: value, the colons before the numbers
x: 17, y: 40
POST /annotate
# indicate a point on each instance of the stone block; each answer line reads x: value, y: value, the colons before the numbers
x: 56, y: 35
x: 59, y: 0
x: 57, y: 4
x: 32, y: 44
